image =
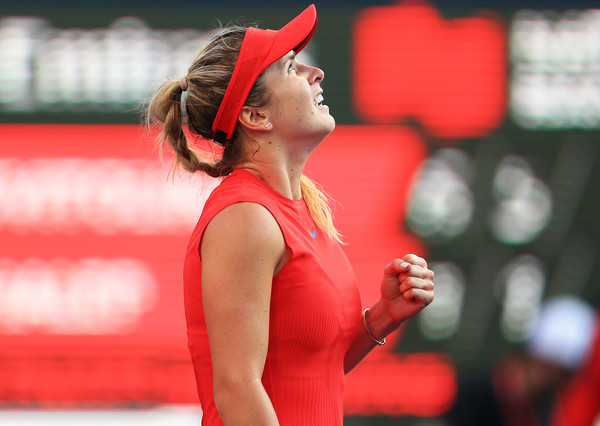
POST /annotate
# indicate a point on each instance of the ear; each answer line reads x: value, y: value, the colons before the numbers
x: 255, y: 119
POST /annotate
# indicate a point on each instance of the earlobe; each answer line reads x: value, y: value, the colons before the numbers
x: 254, y: 119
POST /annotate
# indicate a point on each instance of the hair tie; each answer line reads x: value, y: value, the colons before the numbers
x: 183, y: 83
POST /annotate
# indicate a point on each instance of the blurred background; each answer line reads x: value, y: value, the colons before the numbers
x: 467, y: 132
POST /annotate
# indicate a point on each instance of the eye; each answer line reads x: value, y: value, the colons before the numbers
x: 291, y: 67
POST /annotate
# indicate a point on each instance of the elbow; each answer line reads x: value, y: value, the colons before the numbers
x: 230, y: 388
x: 223, y: 391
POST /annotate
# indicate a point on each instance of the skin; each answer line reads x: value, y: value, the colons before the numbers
x: 287, y: 129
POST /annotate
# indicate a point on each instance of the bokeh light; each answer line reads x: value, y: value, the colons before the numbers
x: 442, y: 317
x: 523, y: 283
x: 556, y: 69
x: 441, y: 202
x: 524, y: 202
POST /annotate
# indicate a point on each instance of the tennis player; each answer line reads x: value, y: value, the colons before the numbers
x: 273, y: 311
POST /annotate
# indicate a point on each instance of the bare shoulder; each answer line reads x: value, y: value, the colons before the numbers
x: 243, y: 231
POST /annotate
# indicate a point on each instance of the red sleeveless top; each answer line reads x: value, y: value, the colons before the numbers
x: 315, y: 311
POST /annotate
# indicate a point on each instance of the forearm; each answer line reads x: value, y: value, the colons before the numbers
x: 380, y: 325
x: 244, y: 403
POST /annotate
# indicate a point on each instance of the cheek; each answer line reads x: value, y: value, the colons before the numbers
x: 294, y: 107
x: 292, y: 102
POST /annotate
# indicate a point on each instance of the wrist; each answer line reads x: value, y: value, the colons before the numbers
x: 378, y: 322
x: 374, y: 339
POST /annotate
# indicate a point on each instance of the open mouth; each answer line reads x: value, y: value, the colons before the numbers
x: 318, y: 101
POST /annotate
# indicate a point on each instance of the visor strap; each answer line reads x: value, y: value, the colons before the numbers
x: 220, y: 137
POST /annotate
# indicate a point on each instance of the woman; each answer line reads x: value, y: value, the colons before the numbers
x: 272, y: 307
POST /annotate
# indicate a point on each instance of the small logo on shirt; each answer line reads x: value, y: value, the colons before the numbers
x: 313, y: 234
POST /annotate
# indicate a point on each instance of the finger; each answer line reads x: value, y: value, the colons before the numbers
x: 415, y: 260
x: 416, y: 283
x: 396, y: 267
x: 415, y: 295
x: 419, y: 272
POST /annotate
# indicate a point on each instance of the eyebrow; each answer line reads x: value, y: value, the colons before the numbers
x: 289, y: 57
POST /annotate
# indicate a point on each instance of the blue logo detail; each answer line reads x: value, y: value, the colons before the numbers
x: 314, y: 234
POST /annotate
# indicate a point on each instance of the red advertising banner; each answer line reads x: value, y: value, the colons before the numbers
x: 412, y: 64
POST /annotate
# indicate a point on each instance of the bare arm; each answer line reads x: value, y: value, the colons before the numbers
x: 241, y: 249
x: 406, y: 288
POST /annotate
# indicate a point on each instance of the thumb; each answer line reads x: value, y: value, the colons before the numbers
x: 395, y: 268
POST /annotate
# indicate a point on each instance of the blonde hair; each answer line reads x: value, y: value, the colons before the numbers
x: 207, y: 80
x: 319, y: 204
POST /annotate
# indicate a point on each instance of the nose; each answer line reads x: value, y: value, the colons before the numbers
x: 316, y: 75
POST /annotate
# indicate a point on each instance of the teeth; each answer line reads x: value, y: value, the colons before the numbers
x: 318, y: 100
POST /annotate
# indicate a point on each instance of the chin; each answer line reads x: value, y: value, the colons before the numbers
x: 327, y: 131
x: 332, y: 123
x: 328, y: 127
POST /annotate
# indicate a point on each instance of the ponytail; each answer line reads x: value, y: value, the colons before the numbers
x: 205, y: 83
x: 165, y: 107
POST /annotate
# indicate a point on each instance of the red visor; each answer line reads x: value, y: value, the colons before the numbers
x: 260, y: 49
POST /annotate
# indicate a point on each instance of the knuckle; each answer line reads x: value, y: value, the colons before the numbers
x: 416, y: 260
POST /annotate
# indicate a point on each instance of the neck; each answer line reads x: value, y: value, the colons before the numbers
x: 281, y: 178
x: 278, y: 163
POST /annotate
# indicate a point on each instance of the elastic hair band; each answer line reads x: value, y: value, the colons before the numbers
x: 373, y: 338
x: 184, y: 98
x: 183, y: 83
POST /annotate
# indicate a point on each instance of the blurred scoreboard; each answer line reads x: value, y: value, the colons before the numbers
x: 466, y: 133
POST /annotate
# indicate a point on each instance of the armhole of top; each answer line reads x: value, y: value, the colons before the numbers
x: 265, y: 206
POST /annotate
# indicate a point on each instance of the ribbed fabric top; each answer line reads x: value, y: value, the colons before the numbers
x: 315, y: 311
